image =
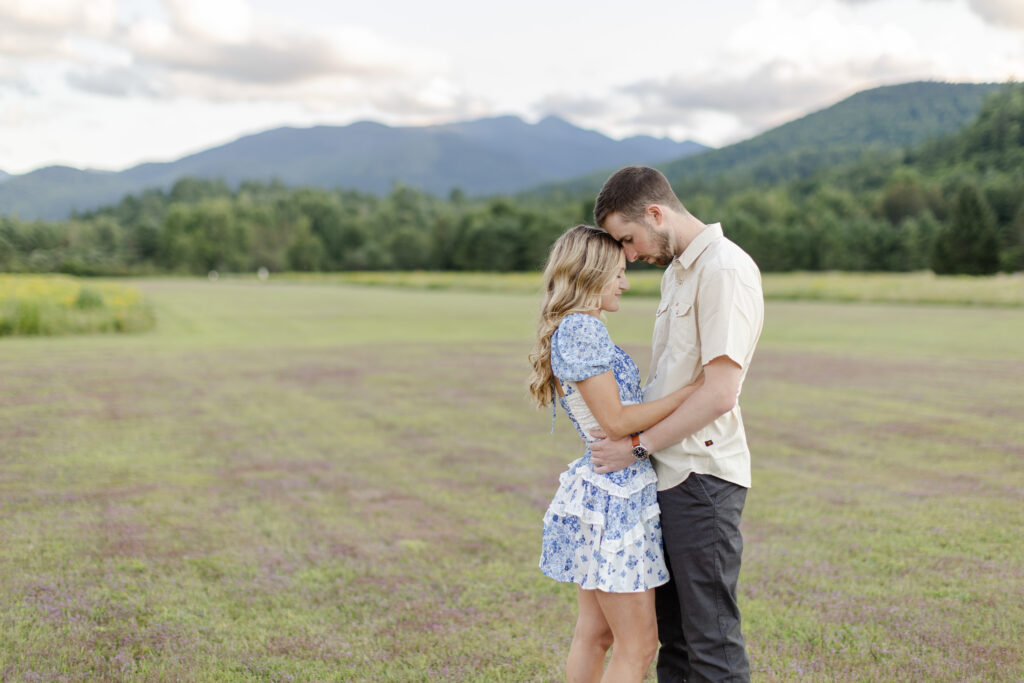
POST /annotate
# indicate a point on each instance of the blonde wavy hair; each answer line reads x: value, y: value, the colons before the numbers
x: 581, y: 264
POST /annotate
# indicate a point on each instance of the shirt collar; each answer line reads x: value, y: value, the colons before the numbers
x: 701, y: 242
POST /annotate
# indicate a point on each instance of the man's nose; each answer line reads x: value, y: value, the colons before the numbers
x: 630, y: 254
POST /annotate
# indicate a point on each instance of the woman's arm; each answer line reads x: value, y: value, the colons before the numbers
x: 601, y: 394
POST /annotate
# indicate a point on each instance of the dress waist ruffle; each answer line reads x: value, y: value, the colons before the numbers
x: 603, y: 531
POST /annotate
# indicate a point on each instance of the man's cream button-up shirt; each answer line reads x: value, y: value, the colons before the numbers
x: 711, y: 305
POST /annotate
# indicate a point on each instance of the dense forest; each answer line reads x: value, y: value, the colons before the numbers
x: 954, y: 204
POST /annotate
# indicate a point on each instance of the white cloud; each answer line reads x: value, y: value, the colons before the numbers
x: 436, y: 100
x: 225, y: 52
x: 774, y: 91
x: 35, y: 31
x: 56, y: 17
x: 13, y: 79
x: 269, y: 56
x: 786, y: 61
x: 29, y: 45
x: 826, y: 37
x: 1000, y: 12
x: 79, y: 67
x: 220, y: 51
x: 14, y: 44
x: 116, y: 81
x: 574, y: 106
x: 227, y: 40
x: 223, y: 21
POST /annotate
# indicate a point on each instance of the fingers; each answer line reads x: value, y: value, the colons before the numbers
x: 598, y: 433
x: 600, y: 463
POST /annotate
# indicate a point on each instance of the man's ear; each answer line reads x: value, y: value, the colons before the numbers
x: 656, y: 214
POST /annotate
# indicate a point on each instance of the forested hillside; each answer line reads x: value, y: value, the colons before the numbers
x: 882, y: 120
x: 886, y: 119
x: 954, y: 204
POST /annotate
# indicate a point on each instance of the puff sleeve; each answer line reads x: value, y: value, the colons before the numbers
x: 581, y: 348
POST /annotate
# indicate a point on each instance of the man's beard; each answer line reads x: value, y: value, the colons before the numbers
x: 663, y: 254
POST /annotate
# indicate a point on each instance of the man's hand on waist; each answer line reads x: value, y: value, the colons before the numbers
x: 610, y: 455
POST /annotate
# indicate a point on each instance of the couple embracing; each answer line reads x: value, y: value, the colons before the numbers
x: 646, y: 523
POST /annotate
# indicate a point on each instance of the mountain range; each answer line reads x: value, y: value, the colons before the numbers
x: 486, y: 156
x: 505, y: 155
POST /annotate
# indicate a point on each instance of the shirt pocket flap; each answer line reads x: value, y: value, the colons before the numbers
x: 664, y: 306
x: 682, y: 308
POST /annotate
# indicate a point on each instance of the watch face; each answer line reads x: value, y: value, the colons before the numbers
x: 640, y: 452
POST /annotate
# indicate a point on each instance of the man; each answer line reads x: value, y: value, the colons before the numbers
x: 708, y: 322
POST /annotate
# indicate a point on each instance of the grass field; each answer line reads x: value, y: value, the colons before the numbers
x: 1002, y: 290
x: 292, y: 482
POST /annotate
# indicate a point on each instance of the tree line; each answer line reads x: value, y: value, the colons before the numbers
x: 202, y: 225
x: 955, y: 205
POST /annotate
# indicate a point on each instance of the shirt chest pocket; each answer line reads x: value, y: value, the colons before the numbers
x: 678, y: 320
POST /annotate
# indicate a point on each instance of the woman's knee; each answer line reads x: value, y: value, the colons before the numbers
x: 641, y: 646
x: 650, y: 647
x: 594, y: 635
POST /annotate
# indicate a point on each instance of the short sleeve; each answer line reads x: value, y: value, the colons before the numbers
x: 581, y: 348
x: 730, y: 316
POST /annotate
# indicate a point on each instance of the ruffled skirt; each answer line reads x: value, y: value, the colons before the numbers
x: 603, y: 531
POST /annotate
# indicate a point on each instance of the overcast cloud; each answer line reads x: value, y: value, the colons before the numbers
x: 997, y: 12
x: 86, y: 82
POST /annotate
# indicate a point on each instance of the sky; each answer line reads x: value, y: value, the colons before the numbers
x: 108, y: 84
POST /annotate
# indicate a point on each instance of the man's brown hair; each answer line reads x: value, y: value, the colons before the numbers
x: 630, y: 191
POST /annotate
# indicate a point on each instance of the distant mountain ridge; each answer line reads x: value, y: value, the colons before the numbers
x: 887, y: 118
x: 504, y: 155
x: 486, y: 156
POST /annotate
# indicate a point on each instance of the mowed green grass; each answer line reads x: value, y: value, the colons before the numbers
x: 292, y: 482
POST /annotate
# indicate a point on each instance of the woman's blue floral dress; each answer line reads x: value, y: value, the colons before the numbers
x: 601, y: 531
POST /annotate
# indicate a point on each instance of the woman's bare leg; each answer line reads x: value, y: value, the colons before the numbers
x: 635, y: 630
x: 590, y: 640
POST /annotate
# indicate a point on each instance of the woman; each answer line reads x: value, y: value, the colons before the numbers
x: 601, y: 531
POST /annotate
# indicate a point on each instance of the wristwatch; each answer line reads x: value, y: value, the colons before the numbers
x: 640, y: 451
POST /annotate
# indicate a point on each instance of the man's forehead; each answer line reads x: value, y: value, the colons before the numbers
x: 618, y: 226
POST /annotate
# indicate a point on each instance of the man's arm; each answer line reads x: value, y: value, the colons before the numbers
x: 715, y: 398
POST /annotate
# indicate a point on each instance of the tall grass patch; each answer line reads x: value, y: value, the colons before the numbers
x: 60, y: 304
